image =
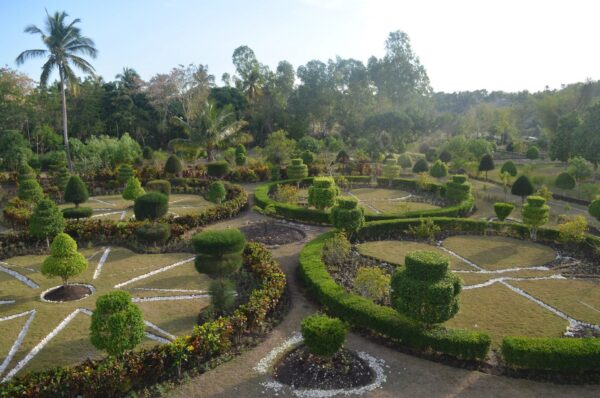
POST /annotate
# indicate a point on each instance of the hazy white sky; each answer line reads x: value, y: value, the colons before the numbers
x: 465, y: 45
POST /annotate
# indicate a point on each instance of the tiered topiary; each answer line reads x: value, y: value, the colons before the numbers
x: 322, y: 193
x: 532, y: 153
x: 219, y: 252
x: 308, y: 157
x: 46, y: 221
x: 297, y: 170
x: 509, y: 167
x: 117, y: 324
x: 346, y: 216
x: 133, y: 189
x: 439, y: 169
x: 30, y: 191
x: 217, y: 169
x: 503, y: 210
x: 535, y: 214
x: 240, y: 155
x: 565, y: 181
x: 61, y: 178
x: 594, y: 209
x: 216, y: 192
x: 323, y: 336
x: 522, y: 187
x: 151, y: 206
x: 421, y: 166
x: 458, y: 189
x: 124, y: 173
x: 162, y: 186
x: 486, y: 164
x: 173, y: 166
x: 391, y: 170
x: 405, y: 161
x: 64, y: 260
x: 424, y: 289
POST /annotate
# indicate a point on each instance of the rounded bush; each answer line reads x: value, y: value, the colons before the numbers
x: 61, y: 178
x: 64, y: 260
x: 26, y: 172
x: 459, y: 178
x: 240, y: 159
x: 322, y: 193
x: 324, y: 336
x: 439, y: 169
x: 124, y: 173
x: 405, y: 161
x: 421, y: 166
x: 503, y: 210
x: 532, y: 153
x: 297, y: 170
x: 151, y: 206
x: 426, y: 265
x: 391, y: 169
x: 445, y: 156
x: 173, y: 165
x: 217, y: 169
x: 133, y: 189
x: 77, y: 212
x: 219, y: 242
x: 565, y: 181
x: 153, y: 233
x: 30, y: 191
x: 594, y: 209
x: 431, y: 155
x: 148, y: 153
x: 224, y: 265
x: 216, y: 192
x: 308, y: 157
x: 76, y: 191
x: 162, y: 186
x: 458, y: 189
x: 509, y: 167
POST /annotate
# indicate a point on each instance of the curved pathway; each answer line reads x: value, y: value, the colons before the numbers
x: 407, y: 376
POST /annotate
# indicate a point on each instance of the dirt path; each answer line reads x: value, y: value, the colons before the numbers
x: 407, y: 376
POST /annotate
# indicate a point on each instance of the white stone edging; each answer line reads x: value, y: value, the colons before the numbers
x: 92, y: 291
x: 101, y: 263
x: 19, y: 277
x: 168, y: 298
x: 157, y: 271
x: 17, y: 344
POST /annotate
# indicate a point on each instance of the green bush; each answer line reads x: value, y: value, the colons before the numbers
x: 503, y: 210
x: 532, y: 153
x: 76, y: 191
x: 372, y: 283
x: 222, y: 296
x: 61, y: 178
x: 431, y: 155
x: 151, y: 206
x: 509, y: 167
x: 337, y: 251
x: 421, y: 166
x: 77, y: 212
x: 439, y: 169
x: 153, y: 233
x: 346, y: 216
x: 30, y: 191
x: 445, y: 156
x: 217, y: 169
x: 322, y: 193
x: 391, y: 169
x: 148, y: 153
x: 133, y: 189
x: 162, y: 186
x: 64, y: 260
x: 240, y: 159
x: 486, y: 164
x: 219, y: 252
x: 522, y: 187
x: 173, y: 165
x: 216, y: 192
x: 117, y: 323
x: 458, y: 189
x: 405, y: 161
x: 594, y: 209
x: 297, y: 170
x: 124, y: 173
x: 324, y: 336
x: 26, y: 172
x: 535, y: 213
x: 47, y: 220
x: 308, y: 157
x: 565, y: 181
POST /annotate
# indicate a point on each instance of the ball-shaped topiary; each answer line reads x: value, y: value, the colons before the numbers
x: 565, y: 181
x: 151, y: 206
x: 522, y: 187
x: 77, y: 212
x: 322, y: 193
x: 46, y: 221
x: 535, y: 213
x: 424, y: 289
x: 133, y: 189
x: 153, y: 233
x: 148, y: 153
x: 218, y: 169
x: 594, y: 209
x: 117, y: 323
x: 162, y: 186
x: 532, y: 153
x: 503, y: 210
x: 421, y: 166
x: 324, y: 336
x: 173, y: 165
x: 30, y: 191
x: 391, y: 169
x: 297, y: 170
x: 64, y: 260
x: 405, y: 161
x: 308, y: 157
x: 486, y: 163
x: 431, y: 155
x: 216, y: 192
x: 346, y: 215
x: 439, y: 169
x: 219, y: 252
x: 76, y: 191
x: 124, y: 173
x: 458, y: 189
x: 445, y: 156
x: 509, y: 167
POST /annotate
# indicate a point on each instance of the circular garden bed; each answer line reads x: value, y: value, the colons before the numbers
x: 272, y: 234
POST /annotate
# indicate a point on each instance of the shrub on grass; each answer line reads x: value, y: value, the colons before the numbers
x: 324, y: 336
x: 222, y: 296
x: 532, y: 153
x: 503, y: 210
x: 573, y: 230
x: 151, y: 206
x: 522, y: 187
x: 346, y: 216
x: 173, y: 165
x: 405, y: 161
x: 46, y: 221
x: 77, y: 212
x: 216, y: 192
x: 322, y: 193
x: 285, y: 193
x: 372, y: 283
x: 421, y: 166
x: 425, y: 289
x: 458, y: 189
x: 594, y: 209
x: 535, y: 214
x: 117, y: 323
x: 297, y: 170
x: 162, y: 186
x: 426, y: 229
x: 64, y: 260
x: 486, y: 164
x: 565, y: 181
x: 337, y: 251
x: 153, y: 233
x: 76, y: 191
x: 124, y: 173
x: 439, y: 169
x: 30, y: 191
x: 509, y: 167
x: 218, y: 169
x: 219, y: 252
x: 133, y: 189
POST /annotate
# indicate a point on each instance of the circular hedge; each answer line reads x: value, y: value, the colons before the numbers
x: 151, y: 206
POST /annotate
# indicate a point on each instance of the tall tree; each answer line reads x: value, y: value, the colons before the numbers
x: 63, y: 44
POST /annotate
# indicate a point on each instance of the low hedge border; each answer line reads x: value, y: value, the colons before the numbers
x: 314, y: 216
x: 136, y: 370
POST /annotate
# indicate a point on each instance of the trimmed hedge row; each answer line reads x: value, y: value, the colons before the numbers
x: 137, y: 369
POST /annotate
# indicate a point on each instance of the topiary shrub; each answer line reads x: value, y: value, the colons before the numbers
x: 30, y: 191
x: 124, y: 173
x: 173, y: 165
x: 445, y: 156
x: 503, y: 210
x: 486, y: 164
x: 148, y: 153
x: 405, y: 161
x: 322, y: 193
x: 509, y: 167
x: 222, y: 296
x: 162, y: 186
x: 458, y: 189
x: 420, y: 166
x: 372, y: 283
x: 77, y: 212
x: 76, y: 191
x: 153, y: 233
x: 151, y: 206
x: 439, y: 169
x: 594, y: 209
x: 424, y: 289
x: 346, y: 216
x: 216, y: 192
x: 46, y: 221
x: 133, y: 189
x: 431, y: 155
x: 297, y: 170
x: 26, y: 172
x: 117, y: 323
x: 535, y: 214
x: 64, y: 260
x: 522, y: 187
x: 275, y: 173
x: 61, y: 178
x: 323, y: 336
x: 532, y: 153
x: 391, y: 170
x: 565, y: 181
x: 219, y: 252
x: 217, y: 169
x: 240, y: 159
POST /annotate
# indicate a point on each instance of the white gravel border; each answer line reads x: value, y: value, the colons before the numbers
x: 19, y: 276
x: 15, y: 347
x: 5, y: 302
x: 157, y: 271
x: 159, y: 330
x: 101, y: 263
x: 169, y: 298
x: 156, y: 289
x: 92, y: 291
x: 508, y: 278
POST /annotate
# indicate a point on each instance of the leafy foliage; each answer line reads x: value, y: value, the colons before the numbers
x: 322, y: 193
x: 77, y: 212
x: 217, y: 169
x: 216, y: 192
x: 30, y: 191
x: 219, y: 252
x: 346, y: 216
x: 372, y: 283
x: 573, y: 230
x: 151, y: 206
x: 153, y: 233
x: 173, y: 165
x: 509, y: 167
x: 162, y: 186
x: 324, y: 336
x: 76, y: 191
x: 503, y: 210
x: 133, y: 189
x: 64, y: 260
x: 421, y: 166
x: 47, y: 220
x: 458, y: 189
x: 565, y: 181
x: 522, y: 187
x: 535, y: 213
x: 439, y: 169
x: 124, y: 173
x: 222, y: 296
x: 532, y: 152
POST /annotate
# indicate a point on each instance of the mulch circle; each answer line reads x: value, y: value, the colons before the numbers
x: 68, y: 293
x: 300, y: 369
x: 271, y: 234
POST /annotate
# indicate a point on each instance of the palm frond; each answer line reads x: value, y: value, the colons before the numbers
x: 82, y: 64
x: 27, y: 54
x: 33, y: 30
x: 46, y: 70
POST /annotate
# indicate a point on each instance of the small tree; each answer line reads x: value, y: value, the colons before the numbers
x: 216, y: 192
x: 46, y: 221
x: 148, y: 153
x: 424, y: 289
x: 486, y: 164
x: 421, y: 166
x: 458, y: 189
x: 532, y: 153
x: 133, y: 189
x: 222, y: 296
x: 565, y: 181
x: 324, y: 336
x: 117, y: 324
x: 439, y: 169
x: 522, y: 187
x: 509, y: 167
x: 219, y: 252
x: 297, y: 170
x: 30, y: 191
x: 594, y: 209
x: 322, y: 193
x: 346, y: 216
x: 151, y: 206
x: 76, y: 192
x: 124, y: 173
x: 26, y: 172
x: 173, y: 165
x: 64, y: 260
x: 503, y: 210
x: 405, y: 161
x: 572, y: 231
x: 535, y: 214
x: 372, y: 283
x: 391, y: 170
x: 61, y: 178
x: 445, y: 156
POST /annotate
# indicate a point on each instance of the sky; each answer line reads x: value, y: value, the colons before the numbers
x: 464, y: 45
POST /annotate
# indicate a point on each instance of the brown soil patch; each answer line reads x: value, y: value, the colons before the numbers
x: 68, y: 293
x: 270, y: 233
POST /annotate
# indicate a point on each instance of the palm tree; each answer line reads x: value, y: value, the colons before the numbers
x: 215, y: 125
x: 129, y: 79
x: 63, y: 42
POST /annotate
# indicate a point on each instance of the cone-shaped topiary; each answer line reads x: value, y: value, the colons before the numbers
x: 535, y: 214
x: 61, y: 178
x: 458, y: 189
x: 346, y: 215
x: 30, y: 191
x: 522, y: 187
x: 117, y: 323
x: 124, y: 173
x: 219, y: 252
x: 509, y: 167
x: 133, y: 189
x: 216, y: 192
x: 26, y: 172
x: 240, y: 155
x: 405, y: 161
x: 151, y: 206
x: 148, y: 153
x: 46, y: 221
x: 64, y: 260
x: 162, y: 186
x: 439, y: 169
x: 486, y: 164
x: 503, y: 210
x: 421, y: 166
x: 565, y: 181
x: 391, y: 170
x: 217, y: 169
x: 241, y: 149
x: 424, y: 289
x: 76, y: 192
x: 532, y: 153
x: 173, y: 165
x: 322, y: 193
x: 324, y: 336
x: 594, y: 209
x: 297, y: 170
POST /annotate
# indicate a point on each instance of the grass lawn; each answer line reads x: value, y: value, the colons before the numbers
x: 475, y: 278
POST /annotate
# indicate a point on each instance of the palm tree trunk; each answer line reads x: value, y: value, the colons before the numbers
x: 64, y: 120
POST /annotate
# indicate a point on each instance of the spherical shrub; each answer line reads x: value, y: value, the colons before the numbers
x: 297, y: 170
x: 153, y: 233
x: 30, y: 191
x: 173, y: 165
x: 216, y: 192
x: 162, y: 186
x: 308, y: 157
x: 76, y: 191
x: 64, y: 260
x: 565, y: 181
x: 532, y: 153
x: 445, y: 156
x: 421, y: 166
x: 405, y: 161
x: 217, y: 169
x: 594, y: 209
x: 322, y: 193
x: 509, y: 167
x: 77, y: 212
x: 151, y: 206
x: 346, y: 215
x: 431, y: 155
x: 124, y: 173
x: 503, y: 210
x: 324, y: 336
x: 219, y: 252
